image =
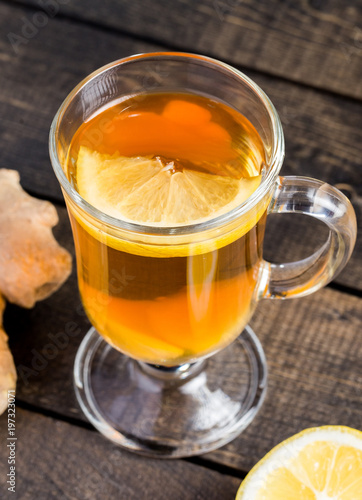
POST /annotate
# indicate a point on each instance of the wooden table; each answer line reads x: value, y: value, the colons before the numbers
x: 307, y: 56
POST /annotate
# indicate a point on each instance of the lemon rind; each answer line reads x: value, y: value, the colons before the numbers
x: 284, y: 452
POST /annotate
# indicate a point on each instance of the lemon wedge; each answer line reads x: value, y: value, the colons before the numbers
x: 323, y: 463
x: 154, y: 192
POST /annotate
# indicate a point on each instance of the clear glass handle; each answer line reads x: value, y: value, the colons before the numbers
x: 303, y: 195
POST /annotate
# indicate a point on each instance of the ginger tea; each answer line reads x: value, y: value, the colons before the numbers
x: 167, y: 160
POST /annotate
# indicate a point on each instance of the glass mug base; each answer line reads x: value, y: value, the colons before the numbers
x: 170, y: 412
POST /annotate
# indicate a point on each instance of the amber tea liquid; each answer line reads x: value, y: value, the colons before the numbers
x: 173, y: 305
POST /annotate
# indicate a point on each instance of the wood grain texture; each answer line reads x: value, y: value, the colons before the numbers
x: 313, y: 346
x: 314, y: 352
x: 35, y: 80
x: 315, y: 42
x: 323, y: 132
x: 59, y: 461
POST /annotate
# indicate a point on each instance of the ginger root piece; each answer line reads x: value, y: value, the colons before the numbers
x: 7, y: 368
x: 32, y: 263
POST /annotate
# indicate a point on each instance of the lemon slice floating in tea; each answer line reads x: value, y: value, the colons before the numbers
x: 324, y: 463
x: 156, y: 191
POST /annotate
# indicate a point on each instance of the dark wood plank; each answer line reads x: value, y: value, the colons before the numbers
x: 315, y: 42
x: 323, y: 132
x: 314, y: 351
x: 56, y: 460
x: 36, y: 80
x: 313, y: 346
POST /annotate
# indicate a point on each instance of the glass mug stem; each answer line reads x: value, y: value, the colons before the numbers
x: 172, y: 373
x: 303, y: 195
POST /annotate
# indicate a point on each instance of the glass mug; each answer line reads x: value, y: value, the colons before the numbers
x: 173, y: 300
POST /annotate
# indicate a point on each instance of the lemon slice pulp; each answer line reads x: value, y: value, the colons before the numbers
x: 323, y: 463
x: 151, y: 191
